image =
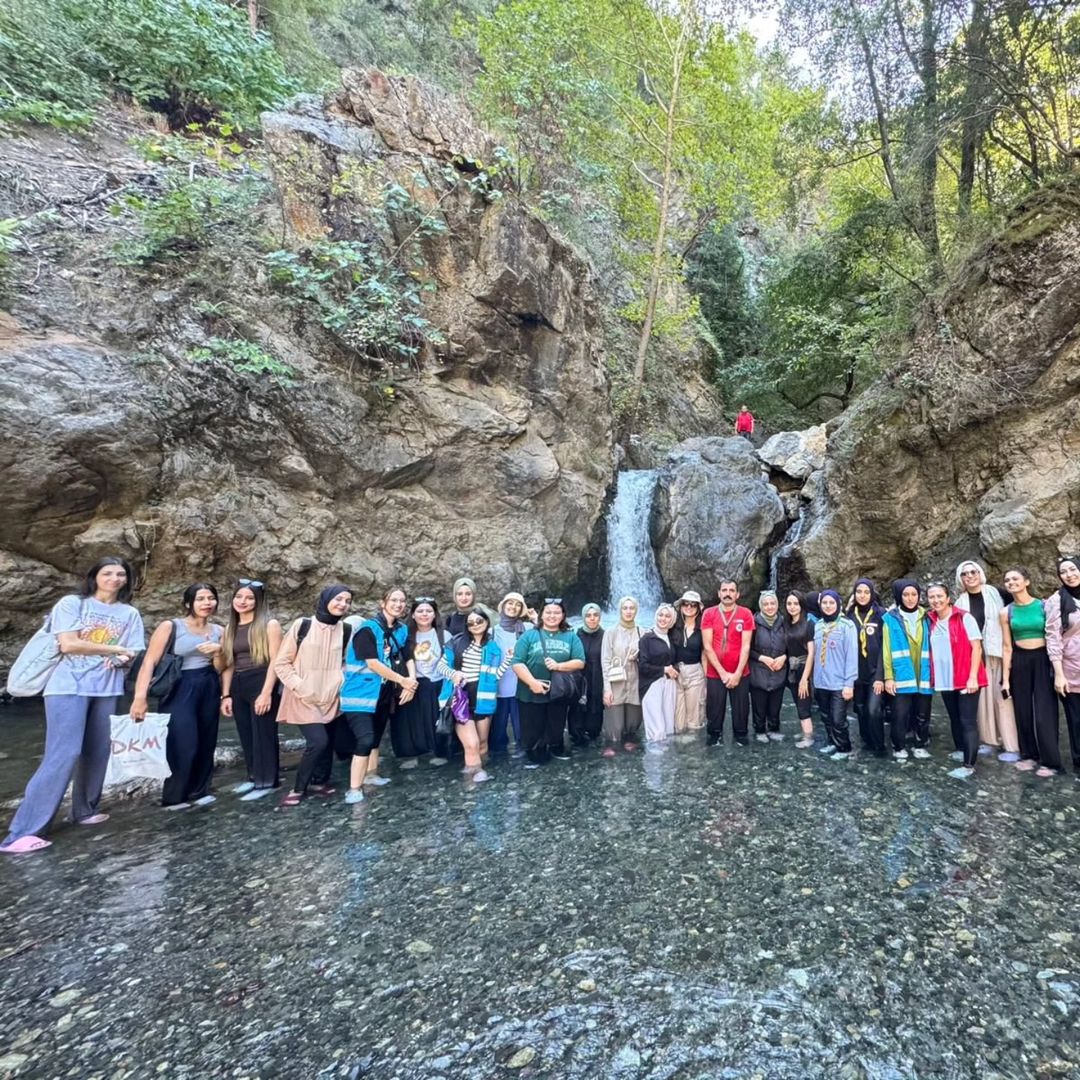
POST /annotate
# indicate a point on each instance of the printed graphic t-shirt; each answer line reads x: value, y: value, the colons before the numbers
x: 103, y: 624
x: 740, y: 621
x: 532, y: 649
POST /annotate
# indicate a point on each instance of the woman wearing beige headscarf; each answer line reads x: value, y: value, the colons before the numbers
x: 686, y: 641
x: 618, y: 660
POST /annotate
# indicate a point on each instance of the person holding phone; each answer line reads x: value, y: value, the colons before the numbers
x: 540, y: 652
x: 957, y: 673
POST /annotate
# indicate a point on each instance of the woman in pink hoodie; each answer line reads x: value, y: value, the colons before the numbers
x: 1063, y: 646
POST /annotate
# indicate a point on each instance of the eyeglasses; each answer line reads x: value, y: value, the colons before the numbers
x: 246, y: 581
x: 423, y: 599
x: 553, y: 600
x: 475, y: 622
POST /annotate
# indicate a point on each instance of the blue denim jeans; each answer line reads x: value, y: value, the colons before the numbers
x: 506, y: 708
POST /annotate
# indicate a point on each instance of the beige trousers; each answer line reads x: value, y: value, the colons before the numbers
x: 997, y: 725
x: 690, y: 705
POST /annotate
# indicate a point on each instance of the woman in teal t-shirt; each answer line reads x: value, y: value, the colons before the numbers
x: 540, y: 652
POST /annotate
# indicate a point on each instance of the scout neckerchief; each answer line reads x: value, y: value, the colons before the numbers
x: 863, y: 622
x: 827, y: 628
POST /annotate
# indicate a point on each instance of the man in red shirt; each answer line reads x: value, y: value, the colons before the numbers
x: 726, y: 633
x: 744, y: 423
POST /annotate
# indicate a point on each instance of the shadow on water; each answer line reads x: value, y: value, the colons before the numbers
x: 737, y: 912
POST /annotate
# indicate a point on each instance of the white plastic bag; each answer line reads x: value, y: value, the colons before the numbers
x: 138, y: 750
x: 34, y: 664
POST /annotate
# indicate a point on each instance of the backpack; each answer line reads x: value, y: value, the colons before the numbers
x: 36, y: 662
x: 166, y: 671
x: 305, y: 626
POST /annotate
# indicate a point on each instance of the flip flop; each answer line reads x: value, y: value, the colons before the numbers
x: 25, y: 845
x: 292, y: 799
x: 93, y: 819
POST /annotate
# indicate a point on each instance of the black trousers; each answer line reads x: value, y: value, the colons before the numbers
x: 542, y: 727
x: 412, y: 727
x: 963, y: 710
x: 717, y: 696
x: 802, y: 705
x: 194, y: 709
x: 766, y: 705
x: 868, y: 708
x: 318, y: 756
x: 1031, y: 686
x: 585, y: 721
x: 834, y: 712
x: 1072, y: 722
x: 258, y: 734
x: 361, y: 736
x: 911, y: 720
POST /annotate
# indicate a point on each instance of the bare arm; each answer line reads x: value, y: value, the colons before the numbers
x: 159, y: 641
x: 1006, y: 649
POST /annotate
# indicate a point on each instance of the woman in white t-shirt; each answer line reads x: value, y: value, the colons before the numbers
x: 412, y: 727
x: 98, y: 634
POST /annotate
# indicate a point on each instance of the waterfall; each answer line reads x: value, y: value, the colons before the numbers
x: 786, y: 547
x: 631, y: 561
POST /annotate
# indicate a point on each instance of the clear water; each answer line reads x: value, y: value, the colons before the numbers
x: 631, y: 560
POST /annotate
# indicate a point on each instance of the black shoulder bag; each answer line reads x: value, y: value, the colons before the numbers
x: 567, y: 687
x: 166, y: 670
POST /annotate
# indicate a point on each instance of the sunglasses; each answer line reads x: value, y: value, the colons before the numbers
x: 690, y: 603
x: 553, y: 600
x: 423, y: 599
x: 475, y: 622
x: 246, y: 582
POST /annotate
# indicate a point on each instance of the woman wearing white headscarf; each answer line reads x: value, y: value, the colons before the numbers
x: 658, y: 676
x: 618, y: 661
x: 997, y: 725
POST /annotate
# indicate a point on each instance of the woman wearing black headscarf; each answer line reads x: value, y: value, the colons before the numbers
x: 309, y: 665
x: 1063, y: 646
x: 865, y: 612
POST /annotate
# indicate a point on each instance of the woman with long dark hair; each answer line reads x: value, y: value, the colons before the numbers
x: 540, y: 653
x: 309, y: 667
x: 379, y: 675
x: 1028, y: 677
x: 412, y: 727
x: 686, y: 641
x: 98, y: 634
x: 799, y: 634
x: 865, y: 611
x: 1063, y: 646
x: 250, y: 642
x: 194, y: 706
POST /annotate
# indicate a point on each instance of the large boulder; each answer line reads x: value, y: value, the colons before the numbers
x: 715, y: 515
x: 971, y: 447
x: 795, y: 453
x: 491, y: 454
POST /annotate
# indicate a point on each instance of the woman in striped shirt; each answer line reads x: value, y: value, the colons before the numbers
x: 474, y: 662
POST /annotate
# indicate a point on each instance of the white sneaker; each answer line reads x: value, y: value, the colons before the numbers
x: 437, y: 761
x: 986, y: 749
x: 480, y: 776
x: 179, y: 806
x: 776, y: 736
x: 900, y: 755
x: 408, y: 763
x: 805, y: 743
x: 354, y: 795
x: 962, y: 773
x: 957, y: 755
x: 922, y: 753
x: 206, y: 800
x: 762, y: 737
x: 375, y: 780
x: 828, y: 748
x: 256, y: 793
x: 244, y: 788
x: 841, y: 755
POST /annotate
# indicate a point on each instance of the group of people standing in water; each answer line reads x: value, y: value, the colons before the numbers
x: 467, y: 682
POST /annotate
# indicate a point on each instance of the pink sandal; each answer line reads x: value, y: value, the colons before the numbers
x: 25, y: 845
x: 608, y: 751
x: 292, y: 799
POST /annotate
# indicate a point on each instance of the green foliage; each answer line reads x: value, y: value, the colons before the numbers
x: 190, y: 59
x: 359, y: 294
x: 189, y: 214
x: 245, y: 358
x: 213, y: 143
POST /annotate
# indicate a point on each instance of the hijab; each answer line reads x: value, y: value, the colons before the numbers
x: 468, y: 581
x: 1068, y: 595
x: 514, y: 626
x: 769, y: 620
x: 589, y: 609
x: 322, y: 611
x: 875, y: 603
x: 637, y: 608
x: 810, y: 604
x: 898, y: 588
x: 663, y: 634
x: 836, y: 596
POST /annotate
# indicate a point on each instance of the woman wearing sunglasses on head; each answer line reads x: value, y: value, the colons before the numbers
x: 540, y: 654
x: 251, y: 640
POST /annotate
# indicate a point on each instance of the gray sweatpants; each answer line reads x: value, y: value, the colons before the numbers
x: 76, y: 741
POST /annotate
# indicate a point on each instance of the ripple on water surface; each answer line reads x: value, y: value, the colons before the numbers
x: 738, y: 912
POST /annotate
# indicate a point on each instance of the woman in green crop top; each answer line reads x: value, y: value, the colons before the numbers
x: 1028, y: 677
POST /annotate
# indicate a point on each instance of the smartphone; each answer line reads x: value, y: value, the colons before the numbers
x: 1004, y: 694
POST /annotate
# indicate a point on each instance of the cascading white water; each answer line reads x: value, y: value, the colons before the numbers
x: 785, y: 548
x: 631, y: 561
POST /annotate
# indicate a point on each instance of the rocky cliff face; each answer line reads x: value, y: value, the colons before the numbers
x: 972, y: 447
x: 490, y: 456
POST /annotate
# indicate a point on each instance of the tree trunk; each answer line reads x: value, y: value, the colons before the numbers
x: 928, y: 163
x: 976, y: 117
x: 253, y: 16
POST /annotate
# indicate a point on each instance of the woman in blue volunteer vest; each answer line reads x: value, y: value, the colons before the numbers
x: 539, y: 653
x: 474, y: 661
x: 905, y: 658
x: 379, y: 675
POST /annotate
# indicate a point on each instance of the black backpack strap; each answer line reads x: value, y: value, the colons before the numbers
x: 347, y: 635
x: 302, y: 631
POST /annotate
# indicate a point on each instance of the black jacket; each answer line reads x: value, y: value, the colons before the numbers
x: 767, y: 641
x: 654, y: 654
x: 872, y: 665
x: 594, y: 672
